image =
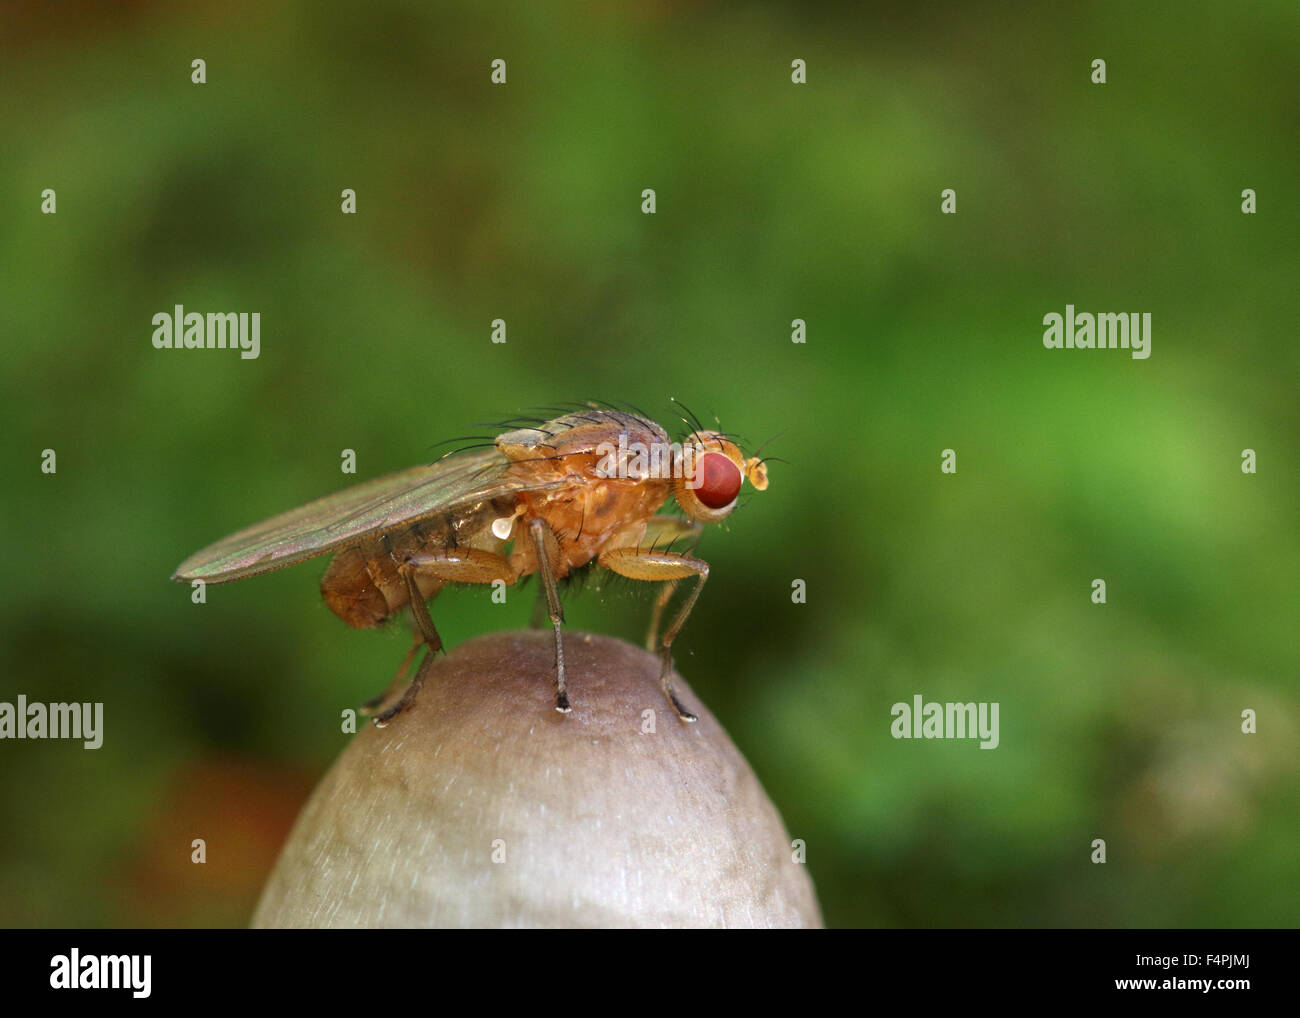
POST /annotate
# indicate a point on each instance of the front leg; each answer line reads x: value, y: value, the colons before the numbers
x: 670, y: 567
x: 662, y: 532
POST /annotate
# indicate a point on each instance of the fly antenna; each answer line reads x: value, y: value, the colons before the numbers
x: 759, y: 451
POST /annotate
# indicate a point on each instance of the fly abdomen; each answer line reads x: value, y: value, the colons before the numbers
x: 363, y: 586
x: 350, y: 590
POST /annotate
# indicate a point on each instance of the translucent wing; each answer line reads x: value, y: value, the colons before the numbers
x: 350, y: 516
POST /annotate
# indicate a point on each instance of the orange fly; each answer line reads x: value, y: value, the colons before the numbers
x: 547, y: 497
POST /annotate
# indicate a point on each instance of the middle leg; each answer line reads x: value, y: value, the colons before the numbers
x: 547, y: 548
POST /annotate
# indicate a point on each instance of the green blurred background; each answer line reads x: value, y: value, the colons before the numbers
x: 775, y: 201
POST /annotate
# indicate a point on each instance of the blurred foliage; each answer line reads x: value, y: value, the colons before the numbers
x: 775, y: 202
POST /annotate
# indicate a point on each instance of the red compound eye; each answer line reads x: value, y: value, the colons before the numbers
x: 720, y: 480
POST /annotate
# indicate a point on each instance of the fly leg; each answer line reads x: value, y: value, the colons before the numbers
x: 370, y: 706
x: 547, y: 548
x: 657, y: 615
x: 451, y: 565
x: 670, y: 567
x: 661, y: 533
x: 427, y: 634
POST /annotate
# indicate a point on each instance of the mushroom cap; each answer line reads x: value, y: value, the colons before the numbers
x: 481, y: 806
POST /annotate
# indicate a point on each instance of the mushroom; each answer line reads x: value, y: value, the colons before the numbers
x: 481, y: 806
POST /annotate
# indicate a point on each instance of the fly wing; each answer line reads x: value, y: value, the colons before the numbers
x: 350, y: 516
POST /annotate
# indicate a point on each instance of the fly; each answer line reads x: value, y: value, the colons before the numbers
x: 546, y: 498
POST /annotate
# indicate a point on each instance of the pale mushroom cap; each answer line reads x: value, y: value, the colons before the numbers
x: 482, y: 806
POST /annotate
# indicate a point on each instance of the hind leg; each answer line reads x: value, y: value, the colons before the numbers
x: 372, y: 705
x: 451, y: 565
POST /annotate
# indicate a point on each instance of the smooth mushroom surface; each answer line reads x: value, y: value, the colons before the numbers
x: 482, y: 806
